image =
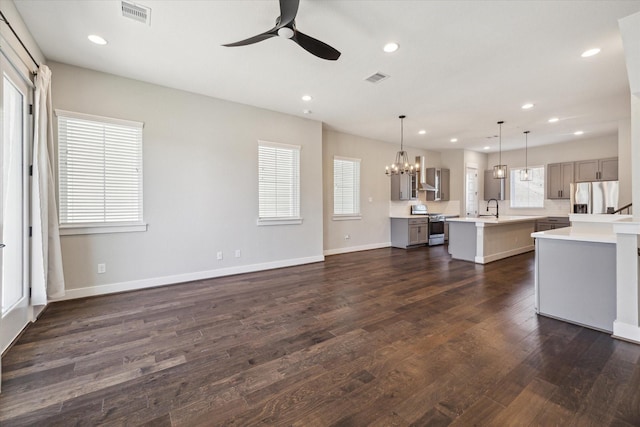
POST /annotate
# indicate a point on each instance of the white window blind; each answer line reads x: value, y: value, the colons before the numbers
x: 100, y: 170
x: 346, y: 186
x: 278, y: 181
x: 527, y: 194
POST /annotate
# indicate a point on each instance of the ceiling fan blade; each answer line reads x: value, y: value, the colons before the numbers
x: 288, y: 12
x: 254, y: 39
x: 316, y: 47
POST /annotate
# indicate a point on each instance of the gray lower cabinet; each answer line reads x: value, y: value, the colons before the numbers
x: 559, y: 178
x: 552, y: 222
x: 408, y: 232
x: 493, y: 188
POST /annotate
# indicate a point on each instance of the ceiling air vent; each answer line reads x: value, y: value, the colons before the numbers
x: 136, y: 12
x: 377, y: 77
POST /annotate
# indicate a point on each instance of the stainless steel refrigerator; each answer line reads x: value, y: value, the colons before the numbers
x: 599, y: 197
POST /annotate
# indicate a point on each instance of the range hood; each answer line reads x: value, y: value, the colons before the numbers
x: 423, y: 185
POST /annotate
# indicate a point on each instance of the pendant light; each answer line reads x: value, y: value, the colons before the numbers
x: 525, y: 174
x: 500, y: 170
x: 401, y: 165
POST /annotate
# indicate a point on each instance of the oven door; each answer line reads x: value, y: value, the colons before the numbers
x: 436, y: 227
x: 436, y: 231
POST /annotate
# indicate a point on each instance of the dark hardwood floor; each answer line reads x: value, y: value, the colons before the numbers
x: 377, y: 338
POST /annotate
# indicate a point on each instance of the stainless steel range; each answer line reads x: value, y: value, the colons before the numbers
x: 436, y: 229
x: 436, y: 224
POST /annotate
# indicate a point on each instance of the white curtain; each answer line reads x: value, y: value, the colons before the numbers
x: 47, y: 279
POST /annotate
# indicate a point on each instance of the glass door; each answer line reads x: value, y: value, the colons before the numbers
x: 15, y: 129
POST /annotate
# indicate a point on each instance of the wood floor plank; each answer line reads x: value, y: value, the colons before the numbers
x: 379, y: 338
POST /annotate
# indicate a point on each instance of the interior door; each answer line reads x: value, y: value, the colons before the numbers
x: 15, y: 130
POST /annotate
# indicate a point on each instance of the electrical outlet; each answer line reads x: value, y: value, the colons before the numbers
x: 219, y: 255
x: 238, y: 253
x: 102, y: 268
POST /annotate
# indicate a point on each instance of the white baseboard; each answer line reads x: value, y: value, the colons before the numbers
x: 181, y: 278
x: 356, y: 248
x: 627, y: 332
x: 505, y: 254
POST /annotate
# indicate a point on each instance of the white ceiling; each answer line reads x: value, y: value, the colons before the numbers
x: 461, y: 66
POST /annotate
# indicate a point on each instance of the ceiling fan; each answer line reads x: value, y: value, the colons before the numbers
x: 286, y: 27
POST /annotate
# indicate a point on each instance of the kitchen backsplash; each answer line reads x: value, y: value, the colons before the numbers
x: 451, y: 207
x: 551, y: 208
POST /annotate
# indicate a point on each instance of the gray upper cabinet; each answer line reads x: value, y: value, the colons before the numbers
x: 559, y: 179
x: 597, y: 170
x: 493, y: 188
x: 404, y: 187
x: 445, y: 185
x: 439, y: 179
x: 609, y: 169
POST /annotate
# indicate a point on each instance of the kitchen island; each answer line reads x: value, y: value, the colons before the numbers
x: 575, y: 271
x: 486, y: 239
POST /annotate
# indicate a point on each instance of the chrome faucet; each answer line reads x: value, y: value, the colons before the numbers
x: 489, y: 201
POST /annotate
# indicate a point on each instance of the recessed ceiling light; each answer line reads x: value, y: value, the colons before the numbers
x: 390, y: 47
x: 578, y: 132
x: 590, y: 52
x: 453, y: 140
x: 97, y: 39
x: 422, y: 132
x: 553, y: 119
x: 307, y: 98
x: 527, y: 106
x: 487, y: 147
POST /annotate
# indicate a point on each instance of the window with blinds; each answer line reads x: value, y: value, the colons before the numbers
x: 346, y: 187
x: 278, y: 183
x: 100, y: 170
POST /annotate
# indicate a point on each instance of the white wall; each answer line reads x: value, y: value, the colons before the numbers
x: 581, y: 149
x: 373, y: 229
x: 13, y: 46
x: 200, y: 186
x: 624, y: 162
x: 635, y: 156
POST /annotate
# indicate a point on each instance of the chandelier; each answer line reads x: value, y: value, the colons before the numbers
x: 401, y: 165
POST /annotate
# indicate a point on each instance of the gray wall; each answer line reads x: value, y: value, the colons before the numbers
x: 373, y: 229
x: 200, y: 185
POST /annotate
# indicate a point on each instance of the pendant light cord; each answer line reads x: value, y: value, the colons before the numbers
x: 526, y: 150
x: 402, y: 133
x: 500, y: 145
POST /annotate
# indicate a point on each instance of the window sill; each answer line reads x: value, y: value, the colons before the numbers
x: 346, y: 217
x: 69, y: 230
x: 278, y: 221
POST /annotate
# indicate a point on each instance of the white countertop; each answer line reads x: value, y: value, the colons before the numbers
x: 491, y: 220
x: 570, y: 233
